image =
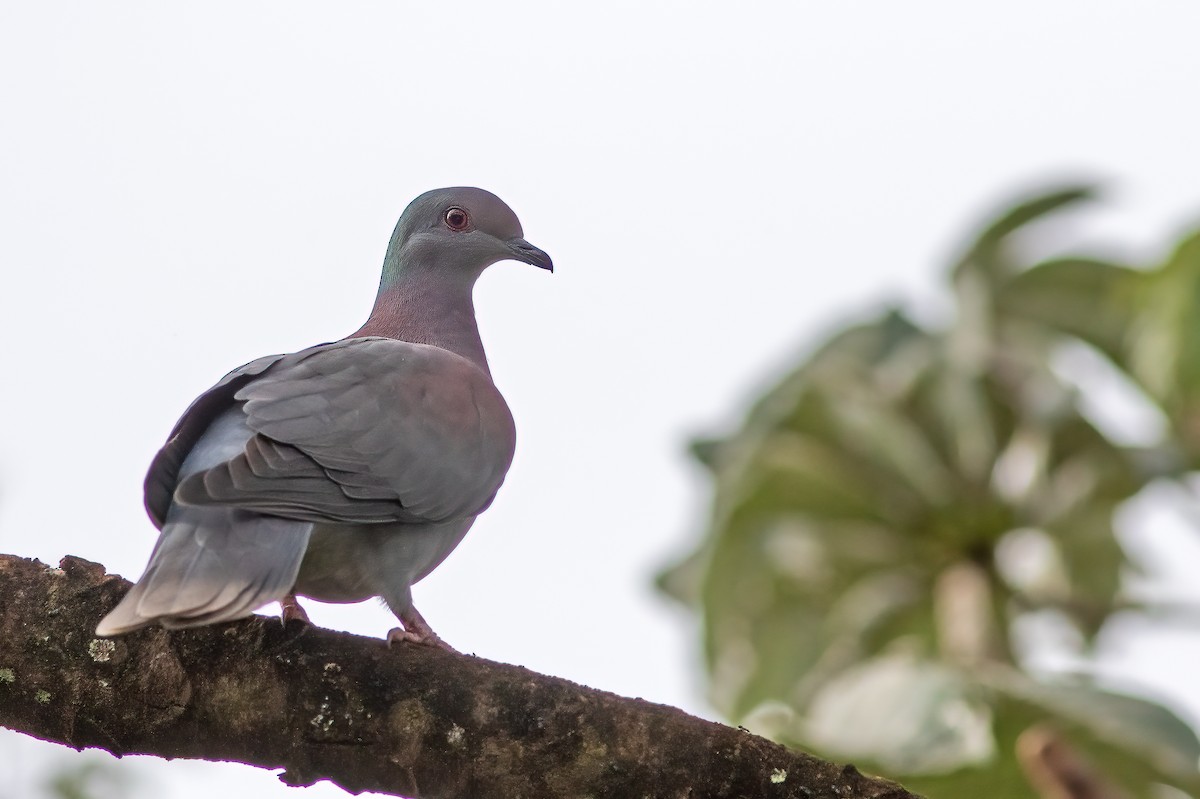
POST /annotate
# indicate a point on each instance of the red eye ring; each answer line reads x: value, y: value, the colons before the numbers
x: 457, y: 218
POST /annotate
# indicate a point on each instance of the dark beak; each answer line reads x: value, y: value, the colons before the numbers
x: 524, y: 251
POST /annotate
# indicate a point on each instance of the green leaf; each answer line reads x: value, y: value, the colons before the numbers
x: 908, y: 716
x: 987, y: 257
x: 1094, y: 560
x: 948, y: 733
x: 1165, y: 345
x: 1126, y: 767
x: 1130, y: 723
x: 1091, y: 299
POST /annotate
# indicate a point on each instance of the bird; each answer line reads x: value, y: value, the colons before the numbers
x: 350, y: 469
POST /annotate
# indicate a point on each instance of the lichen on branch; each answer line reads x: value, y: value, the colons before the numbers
x: 406, y: 720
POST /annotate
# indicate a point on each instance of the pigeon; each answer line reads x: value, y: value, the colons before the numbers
x: 348, y: 470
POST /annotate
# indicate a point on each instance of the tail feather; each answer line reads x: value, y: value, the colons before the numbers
x: 211, y: 565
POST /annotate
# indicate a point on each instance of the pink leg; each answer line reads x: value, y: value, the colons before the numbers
x: 416, y: 630
x: 292, y: 610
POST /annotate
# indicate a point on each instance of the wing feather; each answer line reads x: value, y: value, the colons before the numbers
x: 363, y: 430
x: 163, y: 475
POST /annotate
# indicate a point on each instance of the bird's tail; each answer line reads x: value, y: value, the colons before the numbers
x: 211, y: 565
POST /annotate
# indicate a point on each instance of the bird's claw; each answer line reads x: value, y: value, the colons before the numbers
x: 291, y: 612
x: 425, y: 638
x: 417, y: 631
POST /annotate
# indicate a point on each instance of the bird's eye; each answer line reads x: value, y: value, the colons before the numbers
x: 457, y: 219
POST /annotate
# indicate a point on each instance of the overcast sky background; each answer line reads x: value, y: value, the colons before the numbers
x: 185, y: 188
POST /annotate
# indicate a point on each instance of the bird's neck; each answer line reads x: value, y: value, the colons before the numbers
x: 424, y: 310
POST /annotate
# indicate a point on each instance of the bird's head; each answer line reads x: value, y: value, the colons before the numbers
x: 457, y: 233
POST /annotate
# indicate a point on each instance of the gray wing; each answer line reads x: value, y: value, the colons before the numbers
x: 212, y: 564
x: 163, y: 474
x: 364, y: 430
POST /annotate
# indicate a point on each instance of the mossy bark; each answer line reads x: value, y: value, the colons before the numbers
x: 410, y: 720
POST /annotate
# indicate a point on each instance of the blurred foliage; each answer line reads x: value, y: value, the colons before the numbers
x: 88, y: 777
x: 33, y: 769
x: 907, y: 495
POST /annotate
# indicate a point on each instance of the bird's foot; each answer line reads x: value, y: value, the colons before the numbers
x: 291, y: 611
x: 417, y: 631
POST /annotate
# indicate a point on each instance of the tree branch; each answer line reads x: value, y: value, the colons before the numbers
x: 410, y: 721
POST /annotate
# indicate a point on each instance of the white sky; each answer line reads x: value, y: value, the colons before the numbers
x: 184, y: 188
